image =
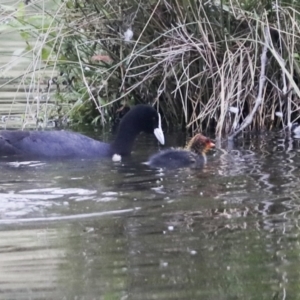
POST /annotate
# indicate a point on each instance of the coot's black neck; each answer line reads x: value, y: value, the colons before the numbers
x: 124, y: 140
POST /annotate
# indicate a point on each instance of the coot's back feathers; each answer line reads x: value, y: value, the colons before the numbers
x: 65, y: 144
x: 193, y: 156
x: 51, y: 144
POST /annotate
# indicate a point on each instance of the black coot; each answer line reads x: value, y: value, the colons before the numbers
x: 193, y: 156
x: 66, y: 144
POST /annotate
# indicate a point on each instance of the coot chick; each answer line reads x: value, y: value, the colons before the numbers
x: 193, y: 156
x: 66, y: 144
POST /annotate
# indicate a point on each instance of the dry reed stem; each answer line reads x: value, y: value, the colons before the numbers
x: 259, y: 99
x: 184, y: 61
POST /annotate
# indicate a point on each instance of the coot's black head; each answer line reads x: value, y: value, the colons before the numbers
x: 141, y: 118
x: 144, y: 118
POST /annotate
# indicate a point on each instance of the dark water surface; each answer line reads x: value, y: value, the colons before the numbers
x: 104, y: 230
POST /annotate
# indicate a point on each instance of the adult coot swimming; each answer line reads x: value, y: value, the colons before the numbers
x: 193, y: 156
x: 66, y: 144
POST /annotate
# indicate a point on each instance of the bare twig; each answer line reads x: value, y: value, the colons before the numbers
x: 262, y: 79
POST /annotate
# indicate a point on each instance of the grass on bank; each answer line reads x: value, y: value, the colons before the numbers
x: 200, y: 63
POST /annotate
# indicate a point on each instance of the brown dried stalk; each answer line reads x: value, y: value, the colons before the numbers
x: 259, y: 99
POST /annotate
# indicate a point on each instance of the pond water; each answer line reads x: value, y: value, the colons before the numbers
x: 105, y: 230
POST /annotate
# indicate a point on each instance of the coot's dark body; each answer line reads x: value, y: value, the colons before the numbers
x: 51, y: 144
x: 66, y: 144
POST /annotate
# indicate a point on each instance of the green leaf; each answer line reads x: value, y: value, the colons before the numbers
x: 25, y: 35
x: 40, y: 21
x: 28, y: 47
x: 45, y: 53
x: 21, y: 11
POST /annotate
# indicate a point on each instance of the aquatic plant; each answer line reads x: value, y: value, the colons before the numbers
x: 224, y: 66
